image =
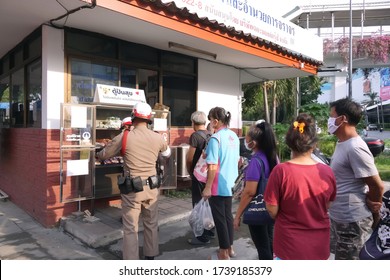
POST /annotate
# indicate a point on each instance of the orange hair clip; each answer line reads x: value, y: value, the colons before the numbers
x: 299, y: 125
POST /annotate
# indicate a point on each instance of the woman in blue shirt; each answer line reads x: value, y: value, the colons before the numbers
x: 223, y: 152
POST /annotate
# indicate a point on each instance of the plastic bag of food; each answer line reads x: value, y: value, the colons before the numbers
x: 201, y: 218
x: 207, y: 216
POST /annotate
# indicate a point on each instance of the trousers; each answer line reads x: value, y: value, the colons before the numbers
x: 347, y: 239
x: 221, y: 208
x: 262, y: 236
x: 134, y: 205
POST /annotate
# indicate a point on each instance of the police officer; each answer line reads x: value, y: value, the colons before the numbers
x: 127, y: 123
x: 141, y: 151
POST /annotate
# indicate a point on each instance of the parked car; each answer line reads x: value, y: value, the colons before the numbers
x: 375, y: 145
x: 372, y: 126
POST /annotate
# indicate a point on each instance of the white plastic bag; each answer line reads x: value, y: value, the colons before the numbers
x: 207, y: 216
x: 201, y: 218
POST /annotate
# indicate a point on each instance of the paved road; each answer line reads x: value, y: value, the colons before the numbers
x: 381, y: 135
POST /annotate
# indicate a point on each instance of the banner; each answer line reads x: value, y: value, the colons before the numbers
x: 385, y: 84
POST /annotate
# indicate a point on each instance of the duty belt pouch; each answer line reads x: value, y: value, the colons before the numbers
x: 153, y: 182
x: 124, y: 184
x: 137, y: 184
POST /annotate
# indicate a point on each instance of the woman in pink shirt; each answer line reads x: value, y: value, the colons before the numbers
x: 298, y: 195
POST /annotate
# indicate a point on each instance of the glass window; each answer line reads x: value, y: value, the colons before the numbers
x: 17, y: 98
x: 138, y: 54
x: 6, y: 65
x: 35, y: 47
x: 84, y: 77
x: 80, y: 43
x: 148, y: 81
x: 179, y: 95
x: 4, y: 103
x: 18, y: 58
x: 178, y: 63
x: 34, y: 94
x: 128, y: 77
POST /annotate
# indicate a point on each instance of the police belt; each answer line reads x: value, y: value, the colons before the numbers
x: 145, y: 182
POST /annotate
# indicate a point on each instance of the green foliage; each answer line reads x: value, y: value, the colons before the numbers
x: 327, y: 144
x: 310, y: 89
x: 280, y: 130
x: 319, y: 111
x: 245, y: 129
x: 184, y: 193
x: 382, y: 162
x: 253, y: 107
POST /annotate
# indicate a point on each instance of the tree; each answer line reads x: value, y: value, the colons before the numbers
x: 253, y: 95
x: 310, y: 89
x: 281, y: 94
x: 373, y: 99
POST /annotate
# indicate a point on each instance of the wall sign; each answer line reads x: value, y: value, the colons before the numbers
x: 118, y: 95
x: 250, y: 16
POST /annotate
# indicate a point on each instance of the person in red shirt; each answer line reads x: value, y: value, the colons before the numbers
x: 298, y: 196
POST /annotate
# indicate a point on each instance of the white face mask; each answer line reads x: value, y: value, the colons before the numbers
x: 247, y: 145
x: 332, y: 127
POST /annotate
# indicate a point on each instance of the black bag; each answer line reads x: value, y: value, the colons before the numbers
x: 125, y: 184
x: 137, y: 183
x: 256, y: 213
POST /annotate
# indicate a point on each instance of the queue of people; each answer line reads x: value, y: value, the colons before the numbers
x: 317, y: 209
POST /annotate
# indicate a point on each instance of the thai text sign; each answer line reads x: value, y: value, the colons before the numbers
x: 249, y: 16
x: 118, y: 95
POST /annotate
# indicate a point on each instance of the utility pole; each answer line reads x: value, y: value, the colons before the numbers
x: 350, y: 52
x: 383, y: 120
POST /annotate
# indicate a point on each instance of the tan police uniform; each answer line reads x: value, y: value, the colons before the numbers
x: 142, y: 149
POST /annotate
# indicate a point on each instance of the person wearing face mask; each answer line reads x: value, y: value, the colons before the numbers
x: 223, y: 152
x: 359, y: 188
x: 261, y: 140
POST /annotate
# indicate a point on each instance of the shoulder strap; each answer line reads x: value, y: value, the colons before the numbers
x: 262, y: 182
x: 205, y: 136
x: 202, y: 134
x: 124, y: 141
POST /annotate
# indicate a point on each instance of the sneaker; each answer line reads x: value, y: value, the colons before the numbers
x: 209, y: 234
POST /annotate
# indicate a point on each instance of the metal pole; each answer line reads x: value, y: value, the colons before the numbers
x: 377, y: 113
x: 383, y: 119
x: 350, y: 52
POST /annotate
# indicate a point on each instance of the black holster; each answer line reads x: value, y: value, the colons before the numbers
x: 153, y: 182
x: 125, y: 184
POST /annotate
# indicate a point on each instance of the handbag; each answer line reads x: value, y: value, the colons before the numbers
x: 256, y: 213
x: 200, y: 170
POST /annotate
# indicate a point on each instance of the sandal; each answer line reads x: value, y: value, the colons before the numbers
x: 231, y: 255
x: 214, y: 256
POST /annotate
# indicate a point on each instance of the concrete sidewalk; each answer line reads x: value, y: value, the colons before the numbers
x: 78, y: 236
x: 105, y: 226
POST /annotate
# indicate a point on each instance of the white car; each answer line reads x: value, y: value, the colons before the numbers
x: 372, y: 126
